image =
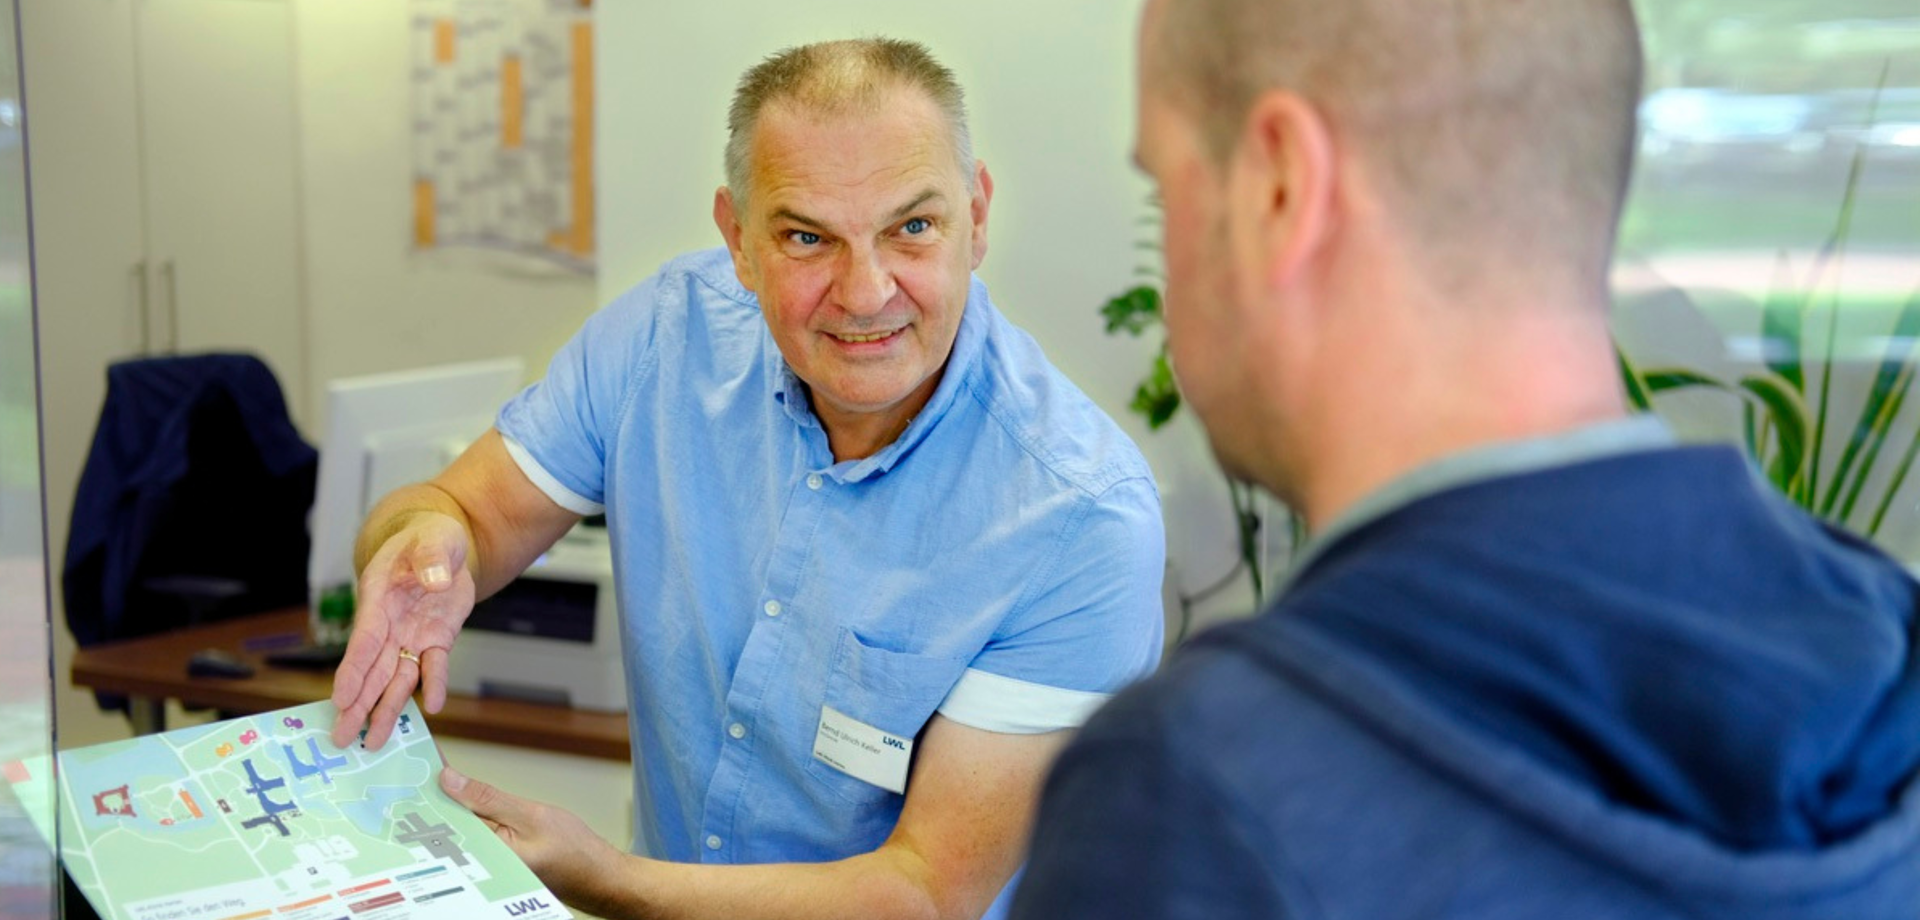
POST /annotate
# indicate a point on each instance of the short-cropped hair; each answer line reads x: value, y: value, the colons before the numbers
x: 1504, y: 125
x: 837, y: 77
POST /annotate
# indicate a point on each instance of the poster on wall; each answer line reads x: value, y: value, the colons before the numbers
x: 503, y: 130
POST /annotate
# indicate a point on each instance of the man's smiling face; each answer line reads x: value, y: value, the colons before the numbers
x: 859, y: 237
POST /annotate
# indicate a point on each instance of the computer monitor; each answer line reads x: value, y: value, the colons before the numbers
x: 388, y: 430
x: 553, y: 634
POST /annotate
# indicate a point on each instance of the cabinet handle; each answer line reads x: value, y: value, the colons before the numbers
x: 139, y: 273
x: 173, y: 306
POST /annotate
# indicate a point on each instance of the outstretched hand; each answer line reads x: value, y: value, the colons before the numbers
x: 414, y: 595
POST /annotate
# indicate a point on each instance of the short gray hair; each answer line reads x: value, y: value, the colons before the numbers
x: 1497, y: 124
x: 840, y: 76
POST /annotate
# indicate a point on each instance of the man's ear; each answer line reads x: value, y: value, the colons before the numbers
x: 728, y: 221
x: 1283, y: 186
x: 982, y: 201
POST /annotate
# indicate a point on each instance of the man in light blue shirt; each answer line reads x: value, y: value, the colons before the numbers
x: 876, y: 557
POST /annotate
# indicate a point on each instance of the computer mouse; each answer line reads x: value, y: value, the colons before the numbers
x: 217, y: 662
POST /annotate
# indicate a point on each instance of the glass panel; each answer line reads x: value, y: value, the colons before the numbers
x: 1771, y: 247
x: 27, y: 873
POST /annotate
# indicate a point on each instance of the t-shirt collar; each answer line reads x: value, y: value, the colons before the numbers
x: 1507, y: 458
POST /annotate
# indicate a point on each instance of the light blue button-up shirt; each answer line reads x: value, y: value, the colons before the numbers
x: 999, y: 563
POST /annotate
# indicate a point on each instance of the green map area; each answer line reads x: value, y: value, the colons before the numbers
x: 264, y: 814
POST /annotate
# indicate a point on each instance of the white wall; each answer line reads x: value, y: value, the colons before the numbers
x: 1050, y: 89
x: 374, y: 305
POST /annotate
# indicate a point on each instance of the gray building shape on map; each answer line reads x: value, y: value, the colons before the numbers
x: 438, y: 839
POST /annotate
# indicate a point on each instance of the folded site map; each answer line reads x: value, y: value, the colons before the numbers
x: 263, y: 817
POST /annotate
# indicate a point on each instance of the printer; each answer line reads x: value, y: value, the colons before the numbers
x: 550, y: 636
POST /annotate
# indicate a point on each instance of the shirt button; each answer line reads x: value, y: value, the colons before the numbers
x: 713, y: 842
x: 814, y: 481
x: 772, y: 608
x: 737, y: 730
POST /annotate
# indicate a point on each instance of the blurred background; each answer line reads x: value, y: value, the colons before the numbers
x: 1772, y: 243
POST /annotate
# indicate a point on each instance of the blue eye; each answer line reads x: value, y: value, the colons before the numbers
x: 917, y: 226
x: 804, y: 238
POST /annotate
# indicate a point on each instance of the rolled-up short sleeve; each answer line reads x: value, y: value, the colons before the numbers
x: 558, y: 429
x: 1091, y: 626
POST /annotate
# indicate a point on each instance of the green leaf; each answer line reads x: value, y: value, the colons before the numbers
x: 1883, y: 424
x: 1789, y: 414
x: 1891, y: 383
x: 1785, y: 409
x: 1660, y: 380
x: 1158, y: 397
x: 1637, y: 395
x: 1893, y: 488
x: 1835, y: 252
x: 1135, y: 311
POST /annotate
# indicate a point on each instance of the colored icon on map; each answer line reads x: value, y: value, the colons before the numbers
x: 114, y: 802
x: 249, y: 736
x: 292, y: 722
x: 223, y: 750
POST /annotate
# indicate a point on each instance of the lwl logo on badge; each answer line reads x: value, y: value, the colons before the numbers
x: 861, y: 751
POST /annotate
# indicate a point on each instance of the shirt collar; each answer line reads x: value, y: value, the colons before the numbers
x: 968, y: 343
x: 1494, y: 461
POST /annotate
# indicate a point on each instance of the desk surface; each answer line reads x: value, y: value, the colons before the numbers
x: 155, y: 667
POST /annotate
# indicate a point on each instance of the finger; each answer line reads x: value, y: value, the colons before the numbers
x: 380, y: 724
x: 360, y: 713
x: 490, y: 804
x: 347, y: 692
x: 433, y: 678
x: 433, y: 572
x: 369, y: 633
x: 431, y: 557
x: 371, y: 628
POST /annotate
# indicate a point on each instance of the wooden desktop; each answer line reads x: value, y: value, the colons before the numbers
x: 151, y: 670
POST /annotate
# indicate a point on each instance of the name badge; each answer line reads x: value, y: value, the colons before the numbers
x: 861, y: 751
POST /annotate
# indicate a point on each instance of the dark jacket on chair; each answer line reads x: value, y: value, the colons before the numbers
x: 193, y: 503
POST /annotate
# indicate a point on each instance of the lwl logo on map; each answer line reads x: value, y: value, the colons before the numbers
x: 528, y: 906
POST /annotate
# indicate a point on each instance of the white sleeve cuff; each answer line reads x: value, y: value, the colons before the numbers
x: 1012, y: 706
x: 544, y: 481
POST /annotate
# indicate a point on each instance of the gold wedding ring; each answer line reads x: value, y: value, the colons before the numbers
x: 409, y: 656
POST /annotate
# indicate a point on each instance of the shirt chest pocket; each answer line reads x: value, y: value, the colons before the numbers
x: 892, y: 692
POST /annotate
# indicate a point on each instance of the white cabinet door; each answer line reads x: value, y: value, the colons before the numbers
x: 221, y: 178
x: 83, y: 149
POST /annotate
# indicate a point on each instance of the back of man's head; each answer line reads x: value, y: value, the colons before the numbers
x: 839, y: 77
x: 1498, y: 130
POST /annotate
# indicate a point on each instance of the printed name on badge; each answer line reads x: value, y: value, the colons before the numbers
x: 861, y: 751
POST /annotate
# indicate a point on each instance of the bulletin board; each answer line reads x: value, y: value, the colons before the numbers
x: 503, y: 129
